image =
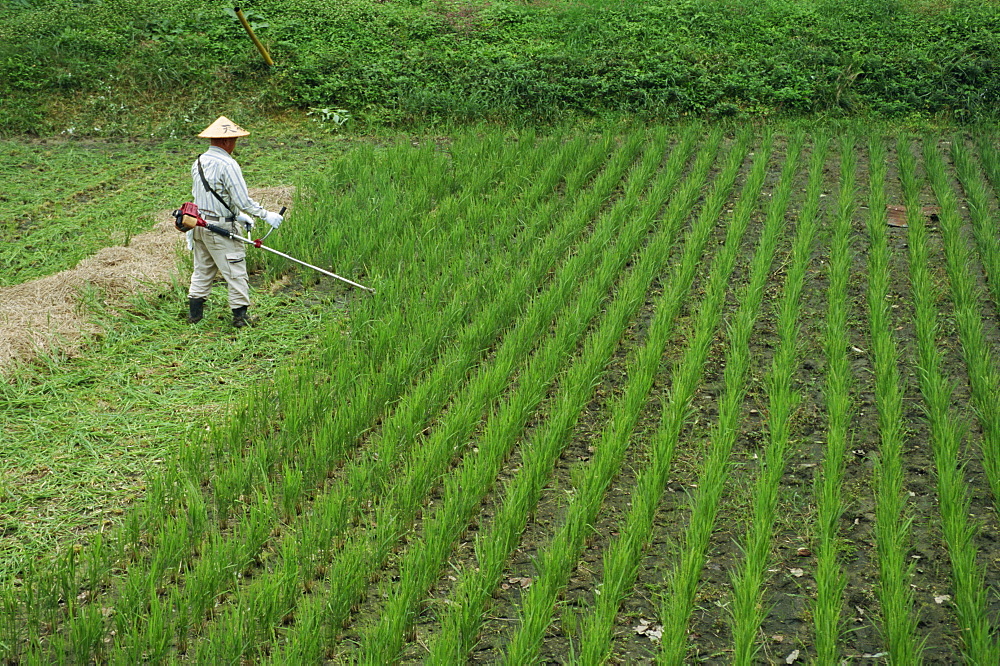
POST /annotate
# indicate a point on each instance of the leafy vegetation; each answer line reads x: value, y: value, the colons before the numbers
x: 116, y: 68
x: 660, y: 392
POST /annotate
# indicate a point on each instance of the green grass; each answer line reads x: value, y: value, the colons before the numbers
x: 119, y: 69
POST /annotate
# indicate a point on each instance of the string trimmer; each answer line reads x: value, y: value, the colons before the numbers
x: 188, y: 217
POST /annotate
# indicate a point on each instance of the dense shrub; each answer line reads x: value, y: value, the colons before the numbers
x: 394, y: 61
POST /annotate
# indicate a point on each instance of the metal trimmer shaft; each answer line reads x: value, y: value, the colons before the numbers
x: 222, y: 231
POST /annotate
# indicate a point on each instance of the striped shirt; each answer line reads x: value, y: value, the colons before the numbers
x: 223, y: 173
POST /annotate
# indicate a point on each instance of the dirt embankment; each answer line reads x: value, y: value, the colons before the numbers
x: 45, y: 314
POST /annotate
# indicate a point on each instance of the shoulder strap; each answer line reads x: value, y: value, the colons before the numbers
x: 208, y: 187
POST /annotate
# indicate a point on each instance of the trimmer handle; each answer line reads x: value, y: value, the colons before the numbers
x: 258, y: 241
x: 216, y: 229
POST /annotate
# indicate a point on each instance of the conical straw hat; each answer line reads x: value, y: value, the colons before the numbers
x: 223, y: 128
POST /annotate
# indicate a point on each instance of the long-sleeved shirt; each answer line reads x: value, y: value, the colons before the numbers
x: 223, y: 173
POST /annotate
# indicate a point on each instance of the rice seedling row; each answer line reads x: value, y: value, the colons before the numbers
x: 977, y: 194
x: 978, y: 634
x: 829, y: 621
x: 564, y: 341
x: 892, y: 518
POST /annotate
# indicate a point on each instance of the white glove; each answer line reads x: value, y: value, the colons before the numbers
x: 245, y: 220
x: 190, y: 239
x: 273, y: 218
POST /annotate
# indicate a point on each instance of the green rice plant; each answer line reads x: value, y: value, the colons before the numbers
x: 155, y: 635
x: 965, y: 294
x: 460, y: 624
x: 557, y: 560
x: 32, y: 608
x: 228, y: 647
x: 984, y: 377
x: 361, y: 555
x: 66, y: 571
x: 989, y: 157
x: 892, y: 521
x: 291, y: 492
x: 978, y: 197
x: 465, y: 490
x: 182, y: 620
x: 216, y: 573
x: 131, y: 603
x: 828, y: 620
x: 10, y: 622
x: 209, y: 574
x: 86, y: 636
x: 684, y: 578
x: 622, y: 557
x: 970, y: 598
x: 748, y: 608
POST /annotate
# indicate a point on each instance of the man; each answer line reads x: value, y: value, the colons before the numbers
x: 221, y: 195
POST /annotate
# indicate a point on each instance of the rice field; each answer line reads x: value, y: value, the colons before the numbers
x: 671, y: 395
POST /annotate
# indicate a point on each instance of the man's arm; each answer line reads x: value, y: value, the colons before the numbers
x: 238, y: 193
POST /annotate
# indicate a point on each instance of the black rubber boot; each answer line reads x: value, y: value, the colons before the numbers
x: 196, y: 308
x: 240, y: 318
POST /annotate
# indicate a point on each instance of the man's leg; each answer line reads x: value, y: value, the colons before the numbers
x: 229, y: 257
x: 202, y: 276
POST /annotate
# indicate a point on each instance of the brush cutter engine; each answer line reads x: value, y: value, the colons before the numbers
x: 187, y: 217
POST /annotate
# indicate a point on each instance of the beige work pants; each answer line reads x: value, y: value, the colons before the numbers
x: 217, y: 255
